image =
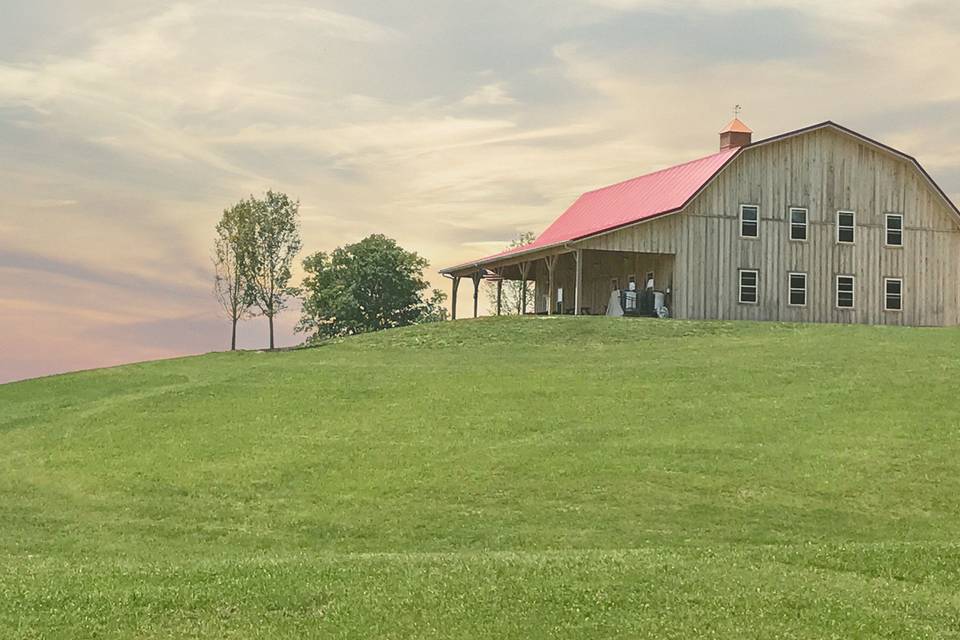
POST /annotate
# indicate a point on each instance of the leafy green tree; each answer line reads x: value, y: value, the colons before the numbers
x: 434, y: 309
x: 512, y: 298
x: 272, y: 245
x: 228, y: 255
x: 371, y: 285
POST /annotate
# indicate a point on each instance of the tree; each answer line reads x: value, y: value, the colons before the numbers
x: 512, y: 298
x: 228, y: 255
x: 273, y: 243
x: 434, y: 309
x: 371, y: 285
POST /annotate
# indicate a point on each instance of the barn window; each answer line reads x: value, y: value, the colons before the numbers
x: 845, y: 292
x: 749, y: 279
x: 798, y: 223
x: 894, y: 230
x: 749, y: 221
x: 845, y: 226
x: 798, y: 289
x: 893, y: 294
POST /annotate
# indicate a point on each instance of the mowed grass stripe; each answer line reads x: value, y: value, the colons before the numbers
x: 714, y: 593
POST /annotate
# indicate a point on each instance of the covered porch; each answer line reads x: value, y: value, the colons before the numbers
x: 567, y: 280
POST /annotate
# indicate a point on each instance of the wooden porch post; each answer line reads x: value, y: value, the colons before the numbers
x: 477, y: 277
x: 453, y: 298
x: 499, y: 295
x: 551, y: 286
x: 578, y: 283
x: 524, y: 272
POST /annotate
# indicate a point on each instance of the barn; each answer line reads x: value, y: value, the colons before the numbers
x: 821, y: 224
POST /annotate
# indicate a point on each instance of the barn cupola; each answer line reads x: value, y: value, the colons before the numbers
x: 735, y: 135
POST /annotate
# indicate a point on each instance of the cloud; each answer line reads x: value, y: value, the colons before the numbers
x: 102, y: 94
x: 31, y: 264
x: 489, y: 94
x: 48, y: 203
x: 331, y: 23
x: 853, y: 10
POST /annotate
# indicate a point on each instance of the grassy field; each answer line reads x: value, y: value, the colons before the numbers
x: 500, y: 478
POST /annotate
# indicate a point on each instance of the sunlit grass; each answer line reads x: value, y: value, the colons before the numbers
x: 515, y: 477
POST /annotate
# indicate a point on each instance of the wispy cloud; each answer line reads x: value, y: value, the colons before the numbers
x: 331, y: 23
x: 489, y: 94
x: 858, y: 10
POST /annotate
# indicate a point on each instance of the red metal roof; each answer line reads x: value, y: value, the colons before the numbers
x: 634, y: 200
x: 624, y: 203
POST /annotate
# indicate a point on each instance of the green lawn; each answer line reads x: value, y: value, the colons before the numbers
x: 500, y: 478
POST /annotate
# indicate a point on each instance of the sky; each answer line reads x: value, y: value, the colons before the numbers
x: 127, y: 126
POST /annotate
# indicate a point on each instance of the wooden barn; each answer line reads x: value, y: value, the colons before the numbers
x: 821, y: 224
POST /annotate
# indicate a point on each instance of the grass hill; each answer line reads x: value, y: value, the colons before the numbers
x: 499, y: 478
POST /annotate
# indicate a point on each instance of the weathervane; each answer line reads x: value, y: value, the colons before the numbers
x: 736, y: 110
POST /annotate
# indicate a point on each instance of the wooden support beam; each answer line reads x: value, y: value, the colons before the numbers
x: 499, y: 295
x: 477, y: 277
x: 524, y: 273
x: 551, y: 284
x: 578, y: 283
x: 453, y: 297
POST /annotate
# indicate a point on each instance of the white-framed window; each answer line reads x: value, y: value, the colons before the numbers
x: 893, y: 294
x: 797, y: 289
x: 749, y: 286
x: 846, y: 225
x: 894, y: 228
x: 798, y: 223
x: 749, y: 221
x: 846, y: 292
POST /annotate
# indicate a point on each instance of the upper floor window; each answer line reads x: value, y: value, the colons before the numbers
x: 894, y: 230
x: 845, y: 292
x: 749, y: 221
x: 893, y: 294
x: 798, y: 289
x: 845, y: 226
x: 749, y: 286
x: 798, y: 223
